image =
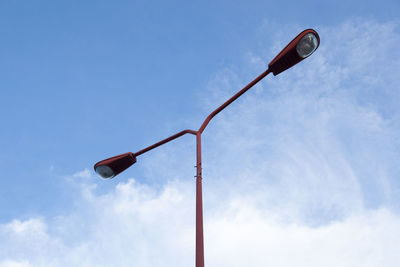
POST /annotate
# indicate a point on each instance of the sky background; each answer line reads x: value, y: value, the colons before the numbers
x: 302, y: 170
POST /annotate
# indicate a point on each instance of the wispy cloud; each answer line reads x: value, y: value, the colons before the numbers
x: 134, y: 225
x: 302, y: 171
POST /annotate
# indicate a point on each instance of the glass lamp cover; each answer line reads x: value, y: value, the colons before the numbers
x: 307, y: 45
x: 105, y: 171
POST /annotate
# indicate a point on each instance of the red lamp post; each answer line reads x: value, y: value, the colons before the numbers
x: 302, y: 46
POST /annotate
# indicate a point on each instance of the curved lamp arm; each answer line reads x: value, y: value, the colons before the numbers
x: 233, y: 98
x: 111, y: 167
x: 166, y: 140
x: 207, y: 120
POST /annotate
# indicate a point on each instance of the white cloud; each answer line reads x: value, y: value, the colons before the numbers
x: 250, y: 238
x: 83, y: 174
x: 9, y: 263
x: 302, y: 171
x: 136, y: 226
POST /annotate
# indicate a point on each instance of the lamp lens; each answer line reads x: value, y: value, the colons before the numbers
x: 105, y: 171
x: 307, y: 45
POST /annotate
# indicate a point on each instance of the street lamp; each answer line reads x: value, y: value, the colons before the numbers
x: 301, y: 47
x: 113, y: 166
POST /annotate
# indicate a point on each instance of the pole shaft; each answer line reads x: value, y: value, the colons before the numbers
x: 199, y: 207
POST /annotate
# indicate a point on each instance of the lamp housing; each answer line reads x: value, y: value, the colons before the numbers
x: 301, y: 47
x: 111, y: 167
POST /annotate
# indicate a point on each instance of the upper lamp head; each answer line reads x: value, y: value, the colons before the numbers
x: 301, y: 47
x: 113, y: 166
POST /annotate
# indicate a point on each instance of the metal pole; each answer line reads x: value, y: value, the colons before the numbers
x: 199, y: 207
x: 199, y: 197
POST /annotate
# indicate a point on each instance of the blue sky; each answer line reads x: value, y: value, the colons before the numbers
x: 303, y: 169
